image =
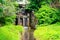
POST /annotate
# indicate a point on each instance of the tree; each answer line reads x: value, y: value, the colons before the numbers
x: 36, y: 4
x: 47, y: 15
x: 7, y: 11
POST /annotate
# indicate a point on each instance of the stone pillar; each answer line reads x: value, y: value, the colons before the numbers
x: 23, y: 21
x: 18, y: 19
x: 26, y: 32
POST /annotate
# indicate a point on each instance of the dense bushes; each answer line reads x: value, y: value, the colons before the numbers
x: 10, y: 32
x: 51, y: 32
x: 7, y: 11
x: 47, y: 15
x: 36, y: 4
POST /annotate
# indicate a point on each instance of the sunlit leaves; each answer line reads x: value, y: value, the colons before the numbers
x: 10, y: 32
x: 47, y: 15
x: 50, y: 32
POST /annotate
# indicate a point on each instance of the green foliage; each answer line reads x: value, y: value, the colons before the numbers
x: 45, y: 2
x: 7, y: 11
x: 36, y: 4
x: 10, y: 32
x: 47, y: 15
x: 50, y: 32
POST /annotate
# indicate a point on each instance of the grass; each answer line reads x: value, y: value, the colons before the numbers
x: 10, y: 32
x: 50, y: 32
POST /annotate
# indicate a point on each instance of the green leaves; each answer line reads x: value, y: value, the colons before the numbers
x: 46, y: 15
x: 8, y: 11
x: 36, y: 4
x: 1, y: 9
x: 50, y: 32
x: 10, y: 32
x: 2, y: 2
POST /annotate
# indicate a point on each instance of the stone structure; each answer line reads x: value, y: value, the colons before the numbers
x: 26, y: 18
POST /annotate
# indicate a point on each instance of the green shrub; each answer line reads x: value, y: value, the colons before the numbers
x: 10, y: 32
x: 51, y: 32
x: 47, y: 15
x: 8, y: 11
x: 36, y: 4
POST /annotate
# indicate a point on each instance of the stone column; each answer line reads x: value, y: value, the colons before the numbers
x: 18, y: 19
x: 26, y: 32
